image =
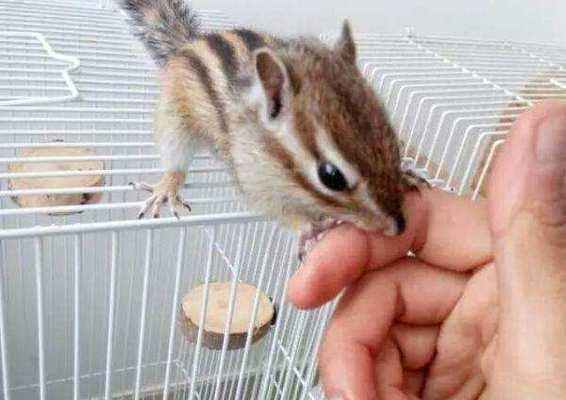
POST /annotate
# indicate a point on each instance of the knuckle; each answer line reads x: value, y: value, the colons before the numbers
x: 551, y: 216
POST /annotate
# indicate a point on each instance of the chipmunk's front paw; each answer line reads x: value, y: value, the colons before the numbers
x: 306, y: 244
x: 161, y: 194
x: 412, y: 180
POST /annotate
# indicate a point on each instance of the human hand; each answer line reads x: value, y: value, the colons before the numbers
x: 452, y: 323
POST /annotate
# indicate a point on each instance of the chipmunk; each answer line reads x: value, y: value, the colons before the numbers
x: 306, y: 136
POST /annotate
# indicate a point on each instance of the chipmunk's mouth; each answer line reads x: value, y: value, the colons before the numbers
x: 387, y: 225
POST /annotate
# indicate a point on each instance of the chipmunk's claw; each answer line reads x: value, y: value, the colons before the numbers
x: 148, y: 204
x: 176, y: 204
x: 141, y: 186
x: 157, y: 200
x: 173, y: 211
x: 307, y: 242
x: 301, y: 255
x: 412, y: 180
x: 160, y: 196
x: 184, y: 203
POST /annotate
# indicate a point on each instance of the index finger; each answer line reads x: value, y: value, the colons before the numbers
x: 443, y: 229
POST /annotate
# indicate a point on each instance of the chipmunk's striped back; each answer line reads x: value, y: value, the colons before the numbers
x: 221, y: 63
x: 170, y: 27
x: 171, y: 33
x: 208, y: 75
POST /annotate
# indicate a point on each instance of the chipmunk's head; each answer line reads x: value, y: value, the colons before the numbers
x: 326, y: 128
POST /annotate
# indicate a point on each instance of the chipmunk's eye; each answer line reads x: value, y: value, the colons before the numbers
x: 331, y: 177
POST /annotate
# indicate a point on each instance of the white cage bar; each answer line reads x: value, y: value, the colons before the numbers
x: 10, y: 39
x: 89, y: 301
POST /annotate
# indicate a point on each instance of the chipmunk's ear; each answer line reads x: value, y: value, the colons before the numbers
x: 346, y: 47
x: 274, y: 79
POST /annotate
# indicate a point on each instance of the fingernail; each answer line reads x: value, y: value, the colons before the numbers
x: 551, y: 141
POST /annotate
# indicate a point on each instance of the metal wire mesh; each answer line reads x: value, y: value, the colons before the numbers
x: 45, y: 89
x: 89, y: 299
x: 453, y: 99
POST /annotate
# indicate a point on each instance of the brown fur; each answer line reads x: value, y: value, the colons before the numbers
x: 328, y: 91
x: 210, y: 92
x: 162, y: 25
x: 279, y: 153
x: 351, y: 113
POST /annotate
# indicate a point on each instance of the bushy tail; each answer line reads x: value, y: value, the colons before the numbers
x: 162, y: 25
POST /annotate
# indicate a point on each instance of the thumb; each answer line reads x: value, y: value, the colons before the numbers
x: 527, y: 206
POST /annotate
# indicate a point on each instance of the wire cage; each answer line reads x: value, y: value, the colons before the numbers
x: 89, y: 295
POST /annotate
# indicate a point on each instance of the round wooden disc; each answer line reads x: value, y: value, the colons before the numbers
x: 217, y: 314
x: 51, y: 200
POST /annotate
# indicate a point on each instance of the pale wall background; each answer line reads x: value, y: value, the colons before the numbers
x: 527, y: 20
